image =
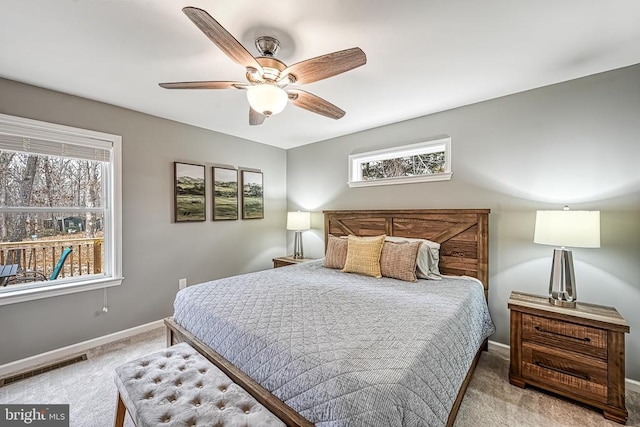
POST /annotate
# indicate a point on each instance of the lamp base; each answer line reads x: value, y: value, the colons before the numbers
x: 562, y: 284
x: 562, y: 303
x: 298, y: 253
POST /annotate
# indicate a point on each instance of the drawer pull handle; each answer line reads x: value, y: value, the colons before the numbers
x: 562, y: 371
x: 540, y: 329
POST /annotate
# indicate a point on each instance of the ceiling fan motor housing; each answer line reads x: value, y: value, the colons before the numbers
x: 271, y: 68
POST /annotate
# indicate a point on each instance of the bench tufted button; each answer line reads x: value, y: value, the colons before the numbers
x: 203, y: 371
x: 158, y: 381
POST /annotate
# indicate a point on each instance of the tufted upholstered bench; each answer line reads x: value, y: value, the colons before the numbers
x: 179, y: 387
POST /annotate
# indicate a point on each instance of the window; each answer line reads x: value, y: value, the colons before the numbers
x: 424, y: 161
x: 60, y: 187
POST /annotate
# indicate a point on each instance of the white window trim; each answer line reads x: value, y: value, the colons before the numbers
x: 113, y: 258
x: 356, y: 161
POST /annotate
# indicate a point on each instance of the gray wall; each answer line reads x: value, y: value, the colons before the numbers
x: 156, y: 252
x: 575, y: 143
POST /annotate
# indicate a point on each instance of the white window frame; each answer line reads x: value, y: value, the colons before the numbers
x: 28, y: 128
x: 431, y: 146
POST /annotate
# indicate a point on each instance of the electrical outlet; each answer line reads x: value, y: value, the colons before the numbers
x: 182, y: 283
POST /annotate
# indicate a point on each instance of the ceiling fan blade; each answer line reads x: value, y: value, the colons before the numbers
x: 322, y: 67
x: 255, y: 118
x: 204, y: 85
x: 222, y: 38
x: 314, y: 103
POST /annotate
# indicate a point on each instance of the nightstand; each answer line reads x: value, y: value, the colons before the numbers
x: 283, y: 261
x: 576, y: 352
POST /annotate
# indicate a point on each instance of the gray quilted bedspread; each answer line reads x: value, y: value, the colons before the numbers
x: 344, y: 349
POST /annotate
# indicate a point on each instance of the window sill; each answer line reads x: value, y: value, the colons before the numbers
x: 402, y: 180
x: 32, y: 293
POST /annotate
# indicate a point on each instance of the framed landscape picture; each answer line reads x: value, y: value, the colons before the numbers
x: 189, y: 191
x: 225, y: 193
x: 252, y: 195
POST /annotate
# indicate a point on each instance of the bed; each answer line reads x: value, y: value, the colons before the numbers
x: 318, y: 346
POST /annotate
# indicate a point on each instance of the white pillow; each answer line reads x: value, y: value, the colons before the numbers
x: 428, y: 257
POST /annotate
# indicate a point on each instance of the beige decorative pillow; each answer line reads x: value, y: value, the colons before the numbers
x: 363, y: 255
x: 428, y: 257
x: 336, y: 253
x: 398, y: 260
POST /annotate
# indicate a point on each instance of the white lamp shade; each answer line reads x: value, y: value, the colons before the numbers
x: 298, y: 220
x: 578, y: 229
x: 267, y: 99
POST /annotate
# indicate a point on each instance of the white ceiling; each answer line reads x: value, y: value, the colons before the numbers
x: 423, y: 56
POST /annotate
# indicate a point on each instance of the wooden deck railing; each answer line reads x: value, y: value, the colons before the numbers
x: 43, y: 255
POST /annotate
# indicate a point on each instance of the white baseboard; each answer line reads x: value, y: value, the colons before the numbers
x: 632, y: 385
x: 504, y: 350
x: 53, y: 356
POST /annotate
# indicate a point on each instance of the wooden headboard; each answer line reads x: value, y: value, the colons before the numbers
x: 463, y: 234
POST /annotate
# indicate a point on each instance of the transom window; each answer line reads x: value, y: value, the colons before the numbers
x: 60, y: 209
x: 424, y: 161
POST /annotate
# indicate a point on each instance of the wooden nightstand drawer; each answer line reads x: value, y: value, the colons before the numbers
x: 284, y: 261
x: 565, y: 335
x: 566, y: 371
x: 277, y: 263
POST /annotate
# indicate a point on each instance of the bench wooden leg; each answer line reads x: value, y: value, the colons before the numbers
x: 121, y: 411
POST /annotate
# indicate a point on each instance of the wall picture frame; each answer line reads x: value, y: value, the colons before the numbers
x: 225, y: 193
x: 190, y: 198
x: 252, y: 194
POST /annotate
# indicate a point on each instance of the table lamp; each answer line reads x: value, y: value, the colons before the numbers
x: 298, y: 221
x: 565, y: 228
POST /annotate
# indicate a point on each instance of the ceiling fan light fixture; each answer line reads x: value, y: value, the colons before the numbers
x: 267, y: 99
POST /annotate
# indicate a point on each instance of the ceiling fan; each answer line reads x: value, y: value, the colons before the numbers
x: 267, y: 77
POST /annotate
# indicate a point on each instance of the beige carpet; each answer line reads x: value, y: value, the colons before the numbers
x: 490, y: 400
